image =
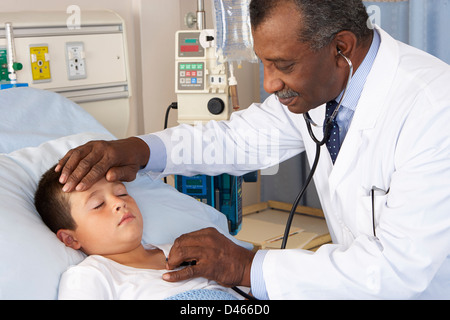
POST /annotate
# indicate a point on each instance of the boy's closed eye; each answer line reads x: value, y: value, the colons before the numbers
x: 94, y: 203
x: 120, y: 190
x: 96, y: 199
x: 96, y: 207
x: 98, y: 204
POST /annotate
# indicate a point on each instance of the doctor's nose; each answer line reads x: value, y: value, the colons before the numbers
x: 272, y: 83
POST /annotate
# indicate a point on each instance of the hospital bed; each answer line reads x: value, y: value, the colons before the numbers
x: 37, y: 128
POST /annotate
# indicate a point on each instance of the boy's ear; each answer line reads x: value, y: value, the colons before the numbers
x: 67, y: 237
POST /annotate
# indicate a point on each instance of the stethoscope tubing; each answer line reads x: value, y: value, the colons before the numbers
x: 319, y: 143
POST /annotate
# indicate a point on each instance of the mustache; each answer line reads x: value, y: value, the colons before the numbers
x: 286, y: 94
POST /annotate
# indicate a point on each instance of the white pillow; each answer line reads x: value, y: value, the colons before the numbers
x: 33, y: 258
x: 32, y: 116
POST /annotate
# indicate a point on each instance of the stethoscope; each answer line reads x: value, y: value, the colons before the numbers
x: 319, y: 143
x: 309, y: 123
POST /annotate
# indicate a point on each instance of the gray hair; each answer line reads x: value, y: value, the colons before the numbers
x: 321, y: 19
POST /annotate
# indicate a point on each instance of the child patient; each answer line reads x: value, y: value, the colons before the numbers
x: 106, y: 224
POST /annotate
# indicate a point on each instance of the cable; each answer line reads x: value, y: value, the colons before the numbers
x: 173, y: 105
x: 242, y: 293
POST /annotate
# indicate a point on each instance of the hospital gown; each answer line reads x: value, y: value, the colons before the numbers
x: 101, y: 278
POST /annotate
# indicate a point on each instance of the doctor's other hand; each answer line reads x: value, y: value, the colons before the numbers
x: 217, y: 258
x: 117, y: 160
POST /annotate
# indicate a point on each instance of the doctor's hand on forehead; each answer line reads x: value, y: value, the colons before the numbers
x: 117, y: 160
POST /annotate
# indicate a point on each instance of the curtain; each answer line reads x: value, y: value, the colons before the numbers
x: 424, y: 24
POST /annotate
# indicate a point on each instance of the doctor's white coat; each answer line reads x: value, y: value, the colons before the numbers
x: 398, y: 142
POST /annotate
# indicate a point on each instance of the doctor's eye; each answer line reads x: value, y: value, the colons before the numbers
x: 286, y: 68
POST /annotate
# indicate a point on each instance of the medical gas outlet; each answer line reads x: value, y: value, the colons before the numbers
x: 201, y: 78
x: 40, y: 63
x: 76, y: 64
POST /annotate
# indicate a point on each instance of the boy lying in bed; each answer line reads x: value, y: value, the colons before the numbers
x: 106, y: 224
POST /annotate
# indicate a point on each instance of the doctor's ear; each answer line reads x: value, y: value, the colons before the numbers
x: 67, y: 237
x: 345, y: 42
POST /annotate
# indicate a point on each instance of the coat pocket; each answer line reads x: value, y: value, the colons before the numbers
x: 368, y: 212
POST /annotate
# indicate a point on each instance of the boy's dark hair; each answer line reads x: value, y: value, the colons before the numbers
x: 52, y: 203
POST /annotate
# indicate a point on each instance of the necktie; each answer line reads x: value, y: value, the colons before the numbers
x: 333, y: 142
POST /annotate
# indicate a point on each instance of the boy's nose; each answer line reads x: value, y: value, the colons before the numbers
x: 120, y: 205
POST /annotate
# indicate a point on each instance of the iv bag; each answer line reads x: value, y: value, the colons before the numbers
x: 233, y: 31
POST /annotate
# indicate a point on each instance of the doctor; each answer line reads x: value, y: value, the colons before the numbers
x: 386, y: 195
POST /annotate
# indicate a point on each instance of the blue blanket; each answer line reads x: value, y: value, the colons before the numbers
x: 203, y: 294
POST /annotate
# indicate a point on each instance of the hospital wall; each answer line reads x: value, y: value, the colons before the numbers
x: 150, y: 31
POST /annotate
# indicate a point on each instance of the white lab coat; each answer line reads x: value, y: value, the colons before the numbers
x: 399, y: 142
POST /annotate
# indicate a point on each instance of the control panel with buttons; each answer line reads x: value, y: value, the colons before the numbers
x: 201, y: 81
x: 191, y: 76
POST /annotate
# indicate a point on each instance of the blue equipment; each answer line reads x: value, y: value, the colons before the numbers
x: 223, y: 192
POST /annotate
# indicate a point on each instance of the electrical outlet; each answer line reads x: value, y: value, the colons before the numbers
x: 76, y: 62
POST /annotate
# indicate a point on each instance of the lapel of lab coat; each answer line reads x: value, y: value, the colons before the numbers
x: 370, y: 105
